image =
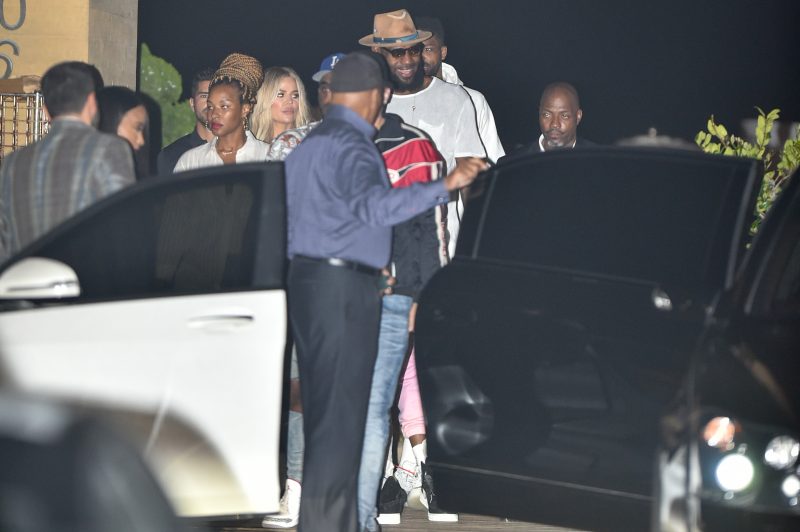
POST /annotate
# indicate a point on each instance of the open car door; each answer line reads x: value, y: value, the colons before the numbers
x: 179, y: 325
x: 550, y: 347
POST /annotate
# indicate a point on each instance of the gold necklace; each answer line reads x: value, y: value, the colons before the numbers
x: 225, y: 153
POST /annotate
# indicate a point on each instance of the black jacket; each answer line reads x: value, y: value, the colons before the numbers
x: 533, y: 147
x: 168, y: 157
x: 419, y: 246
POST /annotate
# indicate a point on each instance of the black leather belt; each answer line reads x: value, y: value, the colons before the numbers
x: 342, y: 263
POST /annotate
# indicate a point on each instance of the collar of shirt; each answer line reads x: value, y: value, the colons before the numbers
x: 541, y: 142
x: 248, y: 151
x: 68, y: 121
x: 450, y: 75
x: 340, y: 112
x: 391, y: 129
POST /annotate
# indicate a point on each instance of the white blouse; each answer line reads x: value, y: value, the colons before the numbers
x: 206, y: 155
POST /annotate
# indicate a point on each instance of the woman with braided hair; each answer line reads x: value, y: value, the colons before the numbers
x: 231, y: 97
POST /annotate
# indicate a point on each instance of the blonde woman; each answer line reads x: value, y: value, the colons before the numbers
x: 281, y: 104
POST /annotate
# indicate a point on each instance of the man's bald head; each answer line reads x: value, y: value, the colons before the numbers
x: 559, y: 115
x: 562, y: 88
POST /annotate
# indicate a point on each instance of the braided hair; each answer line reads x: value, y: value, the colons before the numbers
x: 243, y: 71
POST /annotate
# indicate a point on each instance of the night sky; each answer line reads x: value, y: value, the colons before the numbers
x: 636, y: 64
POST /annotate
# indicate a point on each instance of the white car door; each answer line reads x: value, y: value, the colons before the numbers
x: 180, y: 328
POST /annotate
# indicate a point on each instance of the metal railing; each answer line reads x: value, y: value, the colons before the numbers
x: 22, y: 121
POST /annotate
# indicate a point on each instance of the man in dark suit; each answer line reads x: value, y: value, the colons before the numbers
x: 559, y: 115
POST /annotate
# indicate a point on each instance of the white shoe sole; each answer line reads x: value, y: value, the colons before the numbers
x: 443, y: 518
x: 278, y: 522
x: 388, y: 519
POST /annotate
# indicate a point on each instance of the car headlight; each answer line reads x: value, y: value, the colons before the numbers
x: 791, y: 486
x: 734, y: 472
x: 781, y: 452
x: 719, y: 432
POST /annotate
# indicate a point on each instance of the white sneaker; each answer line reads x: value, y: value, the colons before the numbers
x: 289, y: 512
x: 408, y: 475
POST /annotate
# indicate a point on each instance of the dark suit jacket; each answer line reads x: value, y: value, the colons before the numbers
x: 534, y: 148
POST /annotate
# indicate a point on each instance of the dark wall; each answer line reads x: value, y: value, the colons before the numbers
x: 636, y: 64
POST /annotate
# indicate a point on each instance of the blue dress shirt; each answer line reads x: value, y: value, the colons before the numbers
x: 339, y: 200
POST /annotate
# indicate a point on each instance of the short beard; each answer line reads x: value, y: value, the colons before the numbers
x: 434, y: 69
x: 415, y: 84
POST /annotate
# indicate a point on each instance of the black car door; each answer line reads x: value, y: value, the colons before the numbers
x: 551, y: 345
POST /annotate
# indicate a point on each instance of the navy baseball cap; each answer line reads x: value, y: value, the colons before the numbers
x: 327, y: 65
x: 361, y: 71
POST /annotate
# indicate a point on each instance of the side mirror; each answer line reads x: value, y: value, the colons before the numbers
x: 39, y: 278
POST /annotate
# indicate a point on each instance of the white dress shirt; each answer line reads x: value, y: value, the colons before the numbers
x: 206, y: 155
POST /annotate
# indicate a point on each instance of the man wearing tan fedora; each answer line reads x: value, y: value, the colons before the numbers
x: 444, y: 111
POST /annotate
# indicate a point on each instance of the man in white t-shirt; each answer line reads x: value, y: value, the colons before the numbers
x: 442, y: 110
x: 433, y: 55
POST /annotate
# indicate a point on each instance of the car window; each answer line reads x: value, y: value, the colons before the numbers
x: 219, y: 229
x: 671, y: 219
x: 783, y: 256
x: 787, y: 296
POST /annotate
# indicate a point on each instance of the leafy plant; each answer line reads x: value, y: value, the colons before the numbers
x: 779, y: 165
x: 162, y: 82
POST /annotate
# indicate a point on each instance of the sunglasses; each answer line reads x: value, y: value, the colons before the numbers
x: 414, y: 51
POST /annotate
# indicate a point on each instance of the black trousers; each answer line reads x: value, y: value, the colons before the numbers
x: 335, y: 317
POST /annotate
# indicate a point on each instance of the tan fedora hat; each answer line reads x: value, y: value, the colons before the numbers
x: 393, y: 29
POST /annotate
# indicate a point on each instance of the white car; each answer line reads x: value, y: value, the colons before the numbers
x: 165, y: 304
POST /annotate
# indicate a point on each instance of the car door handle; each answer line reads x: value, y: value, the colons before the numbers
x: 221, y: 322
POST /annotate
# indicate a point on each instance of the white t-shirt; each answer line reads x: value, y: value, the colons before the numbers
x: 253, y: 151
x: 486, y: 126
x: 445, y: 112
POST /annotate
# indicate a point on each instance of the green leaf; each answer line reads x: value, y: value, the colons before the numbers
x: 712, y: 128
x: 721, y: 131
x: 760, y: 130
x: 699, y: 138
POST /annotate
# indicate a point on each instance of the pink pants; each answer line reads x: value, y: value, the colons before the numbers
x: 412, y: 419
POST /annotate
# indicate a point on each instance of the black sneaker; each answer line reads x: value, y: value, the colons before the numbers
x: 391, y: 502
x: 428, y: 499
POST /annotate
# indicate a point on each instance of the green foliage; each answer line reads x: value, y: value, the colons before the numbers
x: 162, y: 82
x: 778, y: 165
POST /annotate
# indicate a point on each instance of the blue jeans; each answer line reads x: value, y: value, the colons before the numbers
x: 295, y: 440
x: 392, y: 347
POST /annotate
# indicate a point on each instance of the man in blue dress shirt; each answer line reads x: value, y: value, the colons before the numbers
x: 341, y: 210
